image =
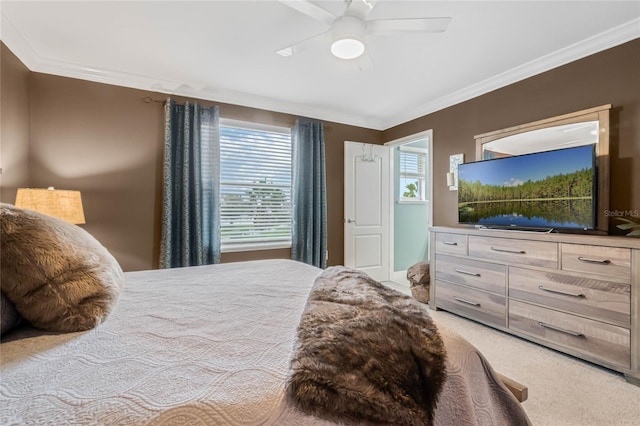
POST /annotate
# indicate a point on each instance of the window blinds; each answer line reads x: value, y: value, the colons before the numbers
x: 255, y: 186
x: 412, y: 164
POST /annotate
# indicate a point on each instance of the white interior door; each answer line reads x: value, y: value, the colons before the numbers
x: 366, y: 208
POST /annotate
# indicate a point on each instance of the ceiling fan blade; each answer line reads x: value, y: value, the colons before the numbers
x: 365, y: 61
x: 310, y: 9
x: 422, y: 25
x: 360, y: 8
x: 318, y: 41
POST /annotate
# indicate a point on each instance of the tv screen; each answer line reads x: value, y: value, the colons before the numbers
x: 549, y: 190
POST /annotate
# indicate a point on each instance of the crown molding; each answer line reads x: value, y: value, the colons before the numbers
x: 605, y: 40
x: 21, y: 48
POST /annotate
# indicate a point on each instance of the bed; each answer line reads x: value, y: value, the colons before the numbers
x: 206, y: 345
x: 272, y: 342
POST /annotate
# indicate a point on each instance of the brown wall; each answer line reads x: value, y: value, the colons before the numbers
x: 608, y: 77
x: 14, y: 131
x: 104, y: 141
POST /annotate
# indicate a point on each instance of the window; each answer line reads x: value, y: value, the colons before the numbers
x: 255, y: 186
x: 412, y: 174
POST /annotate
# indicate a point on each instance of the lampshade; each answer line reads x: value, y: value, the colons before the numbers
x: 66, y: 205
x: 348, y: 35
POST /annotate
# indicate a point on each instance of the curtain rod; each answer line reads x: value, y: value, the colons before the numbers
x: 149, y: 100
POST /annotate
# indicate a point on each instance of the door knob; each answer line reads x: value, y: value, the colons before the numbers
x: 349, y: 220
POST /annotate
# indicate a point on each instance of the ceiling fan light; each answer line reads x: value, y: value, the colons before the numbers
x: 347, y: 48
x: 348, y: 35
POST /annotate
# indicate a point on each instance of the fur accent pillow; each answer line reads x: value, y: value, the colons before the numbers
x: 9, y: 317
x: 58, y: 276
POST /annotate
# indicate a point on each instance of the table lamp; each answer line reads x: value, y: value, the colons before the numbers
x: 63, y: 204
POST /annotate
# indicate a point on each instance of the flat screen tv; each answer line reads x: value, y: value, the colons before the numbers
x: 551, y: 190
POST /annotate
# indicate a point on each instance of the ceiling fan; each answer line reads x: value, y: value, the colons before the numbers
x: 347, y: 33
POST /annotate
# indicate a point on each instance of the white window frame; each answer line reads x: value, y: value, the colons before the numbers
x: 226, y: 246
x: 422, y: 179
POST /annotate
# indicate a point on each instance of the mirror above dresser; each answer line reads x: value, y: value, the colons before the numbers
x: 585, y: 127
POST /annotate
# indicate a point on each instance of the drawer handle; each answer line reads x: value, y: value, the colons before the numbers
x: 561, y: 330
x: 501, y: 250
x: 467, y: 302
x: 462, y: 271
x: 450, y: 243
x: 564, y: 293
x: 599, y: 262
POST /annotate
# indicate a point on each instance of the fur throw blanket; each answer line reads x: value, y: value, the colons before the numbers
x: 365, y: 354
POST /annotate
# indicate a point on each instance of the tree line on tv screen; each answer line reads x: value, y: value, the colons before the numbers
x: 578, y: 184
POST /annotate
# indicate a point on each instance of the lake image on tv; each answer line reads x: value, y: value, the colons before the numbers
x: 551, y: 189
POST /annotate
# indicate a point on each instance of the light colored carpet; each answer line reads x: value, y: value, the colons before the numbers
x: 563, y: 390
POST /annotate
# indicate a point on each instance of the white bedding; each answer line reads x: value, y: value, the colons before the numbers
x: 194, y: 346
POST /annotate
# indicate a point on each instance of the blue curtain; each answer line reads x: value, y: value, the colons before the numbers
x: 191, y: 186
x: 309, y: 198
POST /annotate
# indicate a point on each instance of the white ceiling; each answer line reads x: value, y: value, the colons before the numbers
x: 225, y: 51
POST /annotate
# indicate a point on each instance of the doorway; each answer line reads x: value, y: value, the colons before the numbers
x: 411, y: 209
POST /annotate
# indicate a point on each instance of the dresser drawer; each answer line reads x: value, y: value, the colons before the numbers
x: 451, y: 243
x: 606, y: 261
x: 480, y: 306
x: 481, y: 275
x: 568, y: 332
x: 589, y: 297
x: 536, y: 253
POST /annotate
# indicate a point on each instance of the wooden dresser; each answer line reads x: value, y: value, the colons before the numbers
x: 574, y: 293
